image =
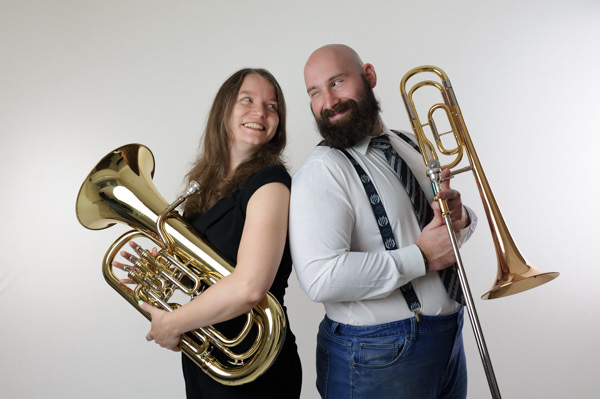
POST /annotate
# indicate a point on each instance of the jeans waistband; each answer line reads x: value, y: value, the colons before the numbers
x: 410, y: 325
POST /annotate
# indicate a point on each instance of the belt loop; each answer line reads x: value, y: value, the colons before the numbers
x: 335, y: 328
x: 414, y: 326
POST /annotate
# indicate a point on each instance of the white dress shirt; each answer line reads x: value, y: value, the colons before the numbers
x: 337, y: 248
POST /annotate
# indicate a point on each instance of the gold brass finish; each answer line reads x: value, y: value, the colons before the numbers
x: 120, y: 190
x: 514, y: 274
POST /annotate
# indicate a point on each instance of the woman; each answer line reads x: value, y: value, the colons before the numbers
x: 242, y: 211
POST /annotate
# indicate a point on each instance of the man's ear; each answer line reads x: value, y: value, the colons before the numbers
x: 369, y: 71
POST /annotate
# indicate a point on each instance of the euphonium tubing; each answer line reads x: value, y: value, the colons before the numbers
x: 120, y: 190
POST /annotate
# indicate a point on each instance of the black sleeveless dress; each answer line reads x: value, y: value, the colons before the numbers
x: 222, y: 227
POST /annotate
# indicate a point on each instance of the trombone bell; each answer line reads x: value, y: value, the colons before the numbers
x: 515, y: 275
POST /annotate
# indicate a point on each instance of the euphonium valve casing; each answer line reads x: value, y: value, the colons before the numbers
x: 120, y: 190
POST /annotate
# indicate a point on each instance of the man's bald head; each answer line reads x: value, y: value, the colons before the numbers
x: 340, y: 52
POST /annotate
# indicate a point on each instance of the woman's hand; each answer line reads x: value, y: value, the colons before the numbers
x: 132, y: 259
x: 162, y: 331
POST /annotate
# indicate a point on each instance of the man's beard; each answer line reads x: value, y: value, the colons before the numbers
x: 358, y: 123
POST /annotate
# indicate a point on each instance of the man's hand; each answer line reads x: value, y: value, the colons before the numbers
x: 434, y: 240
x: 459, y: 216
x: 435, y: 243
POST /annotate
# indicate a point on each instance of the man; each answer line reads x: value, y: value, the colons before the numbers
x: 370, y: 343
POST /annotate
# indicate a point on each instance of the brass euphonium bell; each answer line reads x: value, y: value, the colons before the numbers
x: 120, y: 190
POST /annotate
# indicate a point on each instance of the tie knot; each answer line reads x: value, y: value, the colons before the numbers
x: 381, y: 142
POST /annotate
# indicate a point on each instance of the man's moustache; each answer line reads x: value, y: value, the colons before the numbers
x: 336, y: 109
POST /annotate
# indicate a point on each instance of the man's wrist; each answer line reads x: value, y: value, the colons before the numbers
x: 425, y: 261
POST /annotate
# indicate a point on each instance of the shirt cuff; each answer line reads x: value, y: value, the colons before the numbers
x: 467, y: 232
x: 410, y: 262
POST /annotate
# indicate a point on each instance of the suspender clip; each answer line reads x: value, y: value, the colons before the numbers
x: 418, y: 314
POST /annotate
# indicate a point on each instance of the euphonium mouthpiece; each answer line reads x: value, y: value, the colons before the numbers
x: 191, y: 189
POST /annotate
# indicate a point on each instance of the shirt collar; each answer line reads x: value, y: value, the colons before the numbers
x: 363, y: 145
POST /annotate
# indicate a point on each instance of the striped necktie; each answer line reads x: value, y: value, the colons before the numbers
x: 421, y: 206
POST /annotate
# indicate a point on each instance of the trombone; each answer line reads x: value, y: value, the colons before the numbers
x: 514, y: 274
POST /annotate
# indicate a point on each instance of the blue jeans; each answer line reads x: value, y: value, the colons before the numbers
x: 402, y: 359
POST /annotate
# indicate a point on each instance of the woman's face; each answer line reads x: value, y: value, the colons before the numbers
x: 254, y: 118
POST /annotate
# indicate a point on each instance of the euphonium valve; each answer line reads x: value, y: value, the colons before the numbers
x: 120, y: 190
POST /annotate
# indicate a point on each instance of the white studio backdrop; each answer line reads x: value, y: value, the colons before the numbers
x: 80, y: 78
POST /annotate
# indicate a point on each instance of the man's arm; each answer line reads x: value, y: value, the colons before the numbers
x: 322, y: 222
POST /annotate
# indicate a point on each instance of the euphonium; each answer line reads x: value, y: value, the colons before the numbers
x: 120, y: 190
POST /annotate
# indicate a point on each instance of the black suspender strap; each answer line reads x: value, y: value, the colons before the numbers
x: 387, y: 235
x: 408, y: 140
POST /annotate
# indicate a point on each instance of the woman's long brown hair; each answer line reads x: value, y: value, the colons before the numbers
x: 210, y: 169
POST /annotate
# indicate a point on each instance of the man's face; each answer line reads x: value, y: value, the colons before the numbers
x: 331, y: 79
x: 342, y: 101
